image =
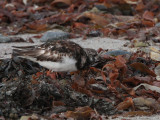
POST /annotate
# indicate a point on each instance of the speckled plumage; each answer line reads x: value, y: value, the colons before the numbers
x: 57, y: 55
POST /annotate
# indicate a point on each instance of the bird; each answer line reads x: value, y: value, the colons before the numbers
x: 58, y: 56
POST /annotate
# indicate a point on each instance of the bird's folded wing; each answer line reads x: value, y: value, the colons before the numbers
x: 39, y: 54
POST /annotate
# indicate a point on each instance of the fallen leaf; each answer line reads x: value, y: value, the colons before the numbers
x: 132, y: 2
x: 148, y: 15
x: 149, y: 102
x: 37, y: 26
x: 137, y: 113
x: 52, y: 75
x: 58, y: 103
x: 96, y: 19
x: 113, y: 73
x: 80, y: 113
x: 61, y: 3
x: 140, y: 6
x: 78, y: 80
x: 19, y: 13
x: 142, y: 68
x: 137, y: 80
x: 148, y: 87
x: 125, y: 104
x: 147, y: 23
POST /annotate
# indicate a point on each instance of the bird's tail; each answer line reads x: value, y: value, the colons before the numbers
x: 23, y: 51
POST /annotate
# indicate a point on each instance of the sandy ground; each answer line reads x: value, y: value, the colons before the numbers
x: 95, y: 43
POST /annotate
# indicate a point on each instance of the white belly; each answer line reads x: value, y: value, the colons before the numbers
x: 67, y: 65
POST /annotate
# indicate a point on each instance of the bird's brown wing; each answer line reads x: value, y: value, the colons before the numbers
x: 53, y: 51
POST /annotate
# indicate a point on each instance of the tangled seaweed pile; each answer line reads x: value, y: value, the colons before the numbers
x: 122, y: 85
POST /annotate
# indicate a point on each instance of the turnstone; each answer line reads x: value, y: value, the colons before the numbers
x: 58, y: 56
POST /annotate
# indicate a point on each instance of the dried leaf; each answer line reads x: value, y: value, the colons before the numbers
x: 132, y: 2
x: 137, y: 80
x: 149, y: 102
x: 137, y: 113
x: 96, y: 19
x: 125, y: 104
x: 52, y: 75
x: 83, y: 90
x: 58, y: 103
x: 80, y: 25
x: 61, y: 3
x: 148, y: 87
x: 113, y: 73
x: 148, y: 23
x: 156, y: 83
x: 81, y: 113
x: 19, y: 13
x: 148, y: 15
x: 142, y: 68
x: 37, y: 26
x: 121, y: 64
x: 140, y: 6
x: 78, y: 80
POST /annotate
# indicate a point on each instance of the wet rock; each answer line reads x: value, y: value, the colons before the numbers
x: 141, y: 44
x: 157, y: 24
x: 157, y: 72
x: 51, y: 36
x: 4, y: 39
x: 101, y: 7
x: 34, y: 117
x: 117, y: 52
x: 25, y: 118
x: 155, y: 53
x: 156, y: 40
x: 146, y: 103
x: 94, y: 34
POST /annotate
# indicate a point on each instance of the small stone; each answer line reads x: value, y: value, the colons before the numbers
x: 15, y: 116
x: 157, y: 25
x: 117, y: 52
x: 94, y: 33
x: 4, y: 39
x: 101, y: 7
x: 25, y: 118
x: 51, y: 36
x: 34, y: 117
x: 155, y: 53
x: 11, y: 115
x: 157, y: 72
x: 140, y: 44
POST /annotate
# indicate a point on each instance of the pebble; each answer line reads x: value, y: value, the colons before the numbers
x: 157, y: 24
x: 25, y: 118
x: 157, y: 72
x: 117, y: 52
x: 51, y: 36
x: 4, y: 39
x: 101, y: 7
x: 155, y: 53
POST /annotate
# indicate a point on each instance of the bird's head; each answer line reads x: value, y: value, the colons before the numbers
x: 92, y: 55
